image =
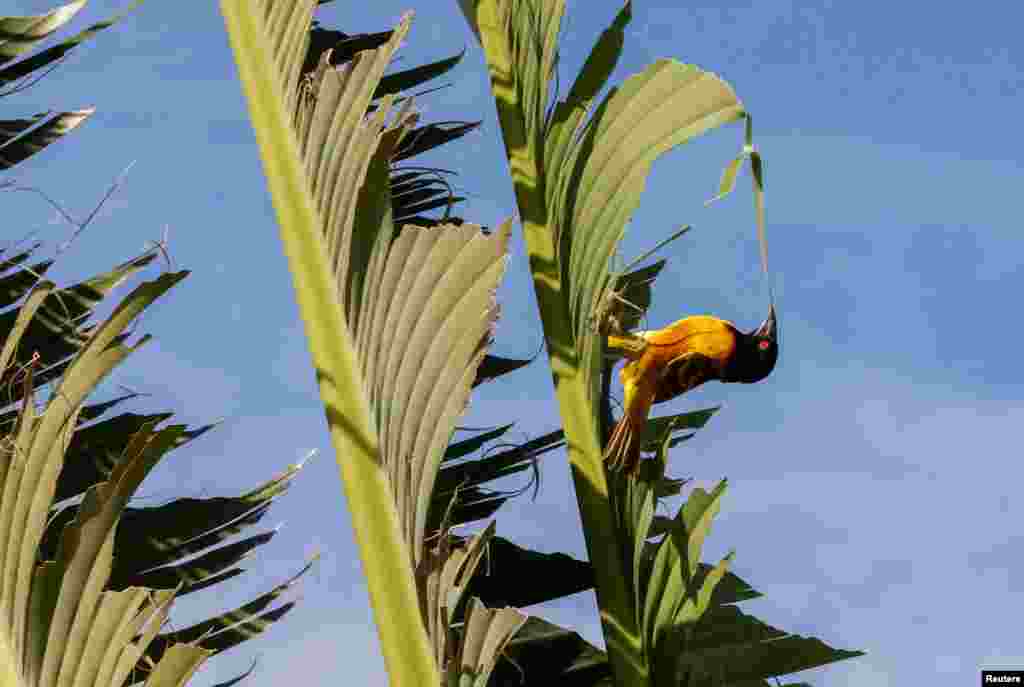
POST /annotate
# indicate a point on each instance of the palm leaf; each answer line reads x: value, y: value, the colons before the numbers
x: 730, y: 647
x: 460, y: 493
x: 425, y: 298
x: 317, y: 146
x: 520, y: 41
x: 74, y: 624
x: 225, y: 631
x: 443, y: 579
x: 494, y: 366
x: 58, y: 328
x: 414, y: 192
x: 23, y: 138
x: 487, y: 632
x: 20, y: 41
x: 543, y: 653
x: 579, y: 170
x: 20, y: 34
x: 407, y: 79
x: 514, y: 576
x: 160, y: 538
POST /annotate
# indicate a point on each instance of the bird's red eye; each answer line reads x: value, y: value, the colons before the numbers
x: 764, y: 344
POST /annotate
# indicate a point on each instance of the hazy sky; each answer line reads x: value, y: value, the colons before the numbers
x: 874, y: 476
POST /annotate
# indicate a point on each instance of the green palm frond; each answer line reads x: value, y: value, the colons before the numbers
x: 579, y: 166
x: 418, y: 304
x: 20, y: 139
x: 23, y: 138
x: 415, y: 191
x: 57, y: 614
x: 462, y: 492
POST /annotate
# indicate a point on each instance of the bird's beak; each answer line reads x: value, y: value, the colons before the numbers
x: 769, y: 328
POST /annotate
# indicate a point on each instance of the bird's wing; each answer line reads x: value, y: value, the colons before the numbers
x: 685, y: 372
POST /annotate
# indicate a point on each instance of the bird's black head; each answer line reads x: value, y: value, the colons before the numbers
x: 757, y: 352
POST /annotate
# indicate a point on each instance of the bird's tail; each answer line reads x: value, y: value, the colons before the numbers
x: 623, y: 450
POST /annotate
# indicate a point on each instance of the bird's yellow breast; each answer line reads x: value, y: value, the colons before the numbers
x: 704, y: 334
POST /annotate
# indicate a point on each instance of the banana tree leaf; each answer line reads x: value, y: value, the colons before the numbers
x: 518, y: 577
x: 57, y: 52
x: 494, y: 366
x: 21, y: 139
x: 542, y: 653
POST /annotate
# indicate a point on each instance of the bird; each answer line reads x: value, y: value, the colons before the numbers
x: 668, y: 362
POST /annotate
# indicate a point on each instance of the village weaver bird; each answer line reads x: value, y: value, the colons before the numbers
x: 668, y: 362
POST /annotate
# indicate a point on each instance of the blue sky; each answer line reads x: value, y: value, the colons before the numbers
x: 873, y: 475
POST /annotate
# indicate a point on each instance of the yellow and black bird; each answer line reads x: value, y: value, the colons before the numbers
x: 668, y: 362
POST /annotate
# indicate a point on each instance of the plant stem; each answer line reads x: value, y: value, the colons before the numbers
x: 386, y: 561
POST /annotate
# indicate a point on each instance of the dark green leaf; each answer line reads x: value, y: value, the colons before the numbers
x: 431, y: 136
x: 495, y: 366
x: 656, y: 426
x: 193, y: 574
x: 634, y: 289
x: 464, y: 481
x: 21, y: 139
x: 15, y: 285
x: 460, y: 449
x: 542, y: 654
x: 417, y: 76
x: 518, y: 577
x: 54, y: 53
